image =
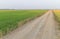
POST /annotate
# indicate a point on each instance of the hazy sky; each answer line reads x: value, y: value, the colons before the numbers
x: 29, y: 4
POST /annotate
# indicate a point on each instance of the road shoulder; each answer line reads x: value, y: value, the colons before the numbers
x: 57, y: 31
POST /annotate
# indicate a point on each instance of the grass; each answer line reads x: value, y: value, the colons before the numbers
x: 9, y: 18
x: 57, y: 16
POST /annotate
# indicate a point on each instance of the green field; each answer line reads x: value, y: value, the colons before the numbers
x: 9, y: 19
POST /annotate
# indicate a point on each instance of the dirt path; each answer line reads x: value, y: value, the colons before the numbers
x: 40, y: 28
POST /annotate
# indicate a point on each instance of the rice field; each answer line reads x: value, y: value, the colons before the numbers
x: 9, y: 19
x: 57, y: 14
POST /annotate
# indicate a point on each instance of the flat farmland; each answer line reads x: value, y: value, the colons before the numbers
x: 57, y: 15
x: 9, y: 19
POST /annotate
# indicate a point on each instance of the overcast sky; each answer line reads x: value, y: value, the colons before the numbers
x: 29, y: 4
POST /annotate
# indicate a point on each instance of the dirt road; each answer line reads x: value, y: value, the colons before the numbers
x: 40, y: 28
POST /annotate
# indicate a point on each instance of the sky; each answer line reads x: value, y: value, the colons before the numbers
x: 29, y: 4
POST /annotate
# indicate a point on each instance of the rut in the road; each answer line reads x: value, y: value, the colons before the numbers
x: 48, y: 32
x: 40, y: 28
